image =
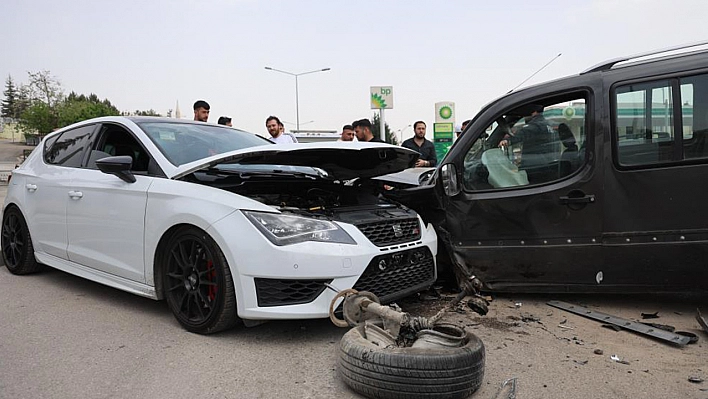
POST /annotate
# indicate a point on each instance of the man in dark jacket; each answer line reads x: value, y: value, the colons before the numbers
x: 424, y: 147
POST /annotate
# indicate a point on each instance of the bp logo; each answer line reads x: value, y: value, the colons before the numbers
x: 445, y: 112
x: 568, y: 113
x: 377, y: 101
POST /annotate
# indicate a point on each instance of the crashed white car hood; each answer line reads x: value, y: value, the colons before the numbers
x: 341, y: 160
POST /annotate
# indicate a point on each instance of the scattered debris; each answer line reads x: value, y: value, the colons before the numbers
x: 564, y: 321
x: 517, y: 305
x: 664, y: 327
x: 701, y: 320
x: 695, y: 379
x: 623, y: 323
x: 566, y: 327
x: 612, y: 327
x: 581, y: 362
x: 598, y: 351
x: 654, y: 315
x: 512, y: 390
x: 530, y: 319
x: 692, y: 338
x: 617, y: 359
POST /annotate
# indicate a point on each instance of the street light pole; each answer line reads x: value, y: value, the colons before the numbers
x: 297, y: 95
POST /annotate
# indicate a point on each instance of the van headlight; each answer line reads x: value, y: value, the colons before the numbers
x: 283, y: 229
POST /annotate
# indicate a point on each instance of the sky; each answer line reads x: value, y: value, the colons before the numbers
x: 152, y: 54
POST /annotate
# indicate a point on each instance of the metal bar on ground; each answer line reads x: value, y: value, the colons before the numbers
x: 620, y: 322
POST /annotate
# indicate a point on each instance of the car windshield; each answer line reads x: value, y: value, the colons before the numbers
x: 182, y: 143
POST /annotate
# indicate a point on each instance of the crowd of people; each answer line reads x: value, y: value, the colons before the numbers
x: 361, y: 130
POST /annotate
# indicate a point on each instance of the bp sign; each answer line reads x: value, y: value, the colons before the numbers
x: 381, y: 97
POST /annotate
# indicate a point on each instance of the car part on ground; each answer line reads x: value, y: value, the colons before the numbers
x: 701, y: 320
x: 391, y: 354
x: 622, y: 323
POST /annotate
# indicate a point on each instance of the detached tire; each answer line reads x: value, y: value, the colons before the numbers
x: 406, y: 373
x: 17, y: 249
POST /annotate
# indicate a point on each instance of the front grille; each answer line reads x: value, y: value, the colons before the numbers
x: 393, y: 276
x: 279, y: 292
x: 389, y: 232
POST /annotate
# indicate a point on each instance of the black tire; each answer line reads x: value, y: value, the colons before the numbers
x: 198, y: 285
x: 407, y: 373
x: 17, y: 249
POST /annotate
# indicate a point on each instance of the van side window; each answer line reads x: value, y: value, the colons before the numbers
x: 694, y: 115
x: 645, y: 121
x: 533, y: 143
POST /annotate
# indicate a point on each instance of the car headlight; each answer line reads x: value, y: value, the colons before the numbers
x: 289, y: 229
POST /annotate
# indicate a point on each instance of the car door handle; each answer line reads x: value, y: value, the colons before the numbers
x: 31, y: 187
x: 584, y: 199
x: 76, y: 194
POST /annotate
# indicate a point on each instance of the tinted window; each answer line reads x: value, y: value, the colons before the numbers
x: 182, y: 143
x: 694, y: 115
x: 644, y: 123
x: 68, y: 148
x: 524, y: 147
x: 114, y: 140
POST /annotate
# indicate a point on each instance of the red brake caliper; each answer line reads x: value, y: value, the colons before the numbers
x: 212, y: 278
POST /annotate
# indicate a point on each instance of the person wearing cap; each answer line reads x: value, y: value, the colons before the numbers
x: 424, y: 147
x: 541, y: 146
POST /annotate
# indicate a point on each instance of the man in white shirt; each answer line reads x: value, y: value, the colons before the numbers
x: 277, y: 135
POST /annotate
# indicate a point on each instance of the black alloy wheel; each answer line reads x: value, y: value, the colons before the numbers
x: 197, y: 283
x: 17, y: 249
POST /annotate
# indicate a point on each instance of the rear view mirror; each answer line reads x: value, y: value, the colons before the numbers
x: 448, y: 174
x: 119, y: 166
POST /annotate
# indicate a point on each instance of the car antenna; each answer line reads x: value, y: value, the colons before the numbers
x: 534, y: 74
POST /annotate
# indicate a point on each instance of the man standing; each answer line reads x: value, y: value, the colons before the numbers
x: 347, y: 133
x: 362, y: 129
x: 201, y: 111
x: 424, y: 147
x: 277, y: 136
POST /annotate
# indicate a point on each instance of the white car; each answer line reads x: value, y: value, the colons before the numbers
x: 219, y: 222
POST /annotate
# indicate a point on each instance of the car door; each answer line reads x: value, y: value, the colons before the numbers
x: 47, y: 185
x: 106, y: 215
x: 656, y: 229
x: 528, y: 218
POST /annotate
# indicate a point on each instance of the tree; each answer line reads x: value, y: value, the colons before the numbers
x: 9, y: 102
x: 78, y: 107
x: 376, y: 130
x: 38, y: 118
x: 40, y: 97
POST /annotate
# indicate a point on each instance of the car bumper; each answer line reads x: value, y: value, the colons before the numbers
x: 288, y: 282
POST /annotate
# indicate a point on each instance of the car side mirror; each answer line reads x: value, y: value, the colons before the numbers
x: 448, y: 173
x: 119, y: 166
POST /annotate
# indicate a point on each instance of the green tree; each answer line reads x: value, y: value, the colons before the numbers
x: 9, y: 102
x: 376, y: 130
x: 78, y: 107
x: 38, y: 118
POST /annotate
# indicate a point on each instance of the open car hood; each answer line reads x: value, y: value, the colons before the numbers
x: 341, y: 160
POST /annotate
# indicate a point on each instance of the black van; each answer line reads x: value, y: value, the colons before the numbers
x: 594, y: 182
